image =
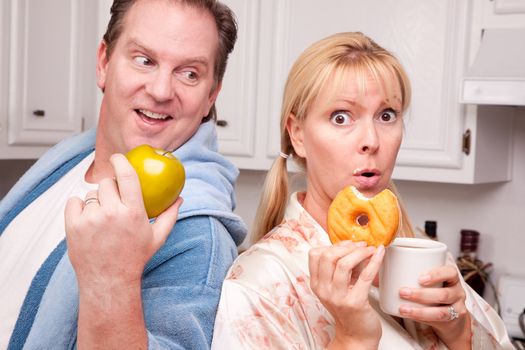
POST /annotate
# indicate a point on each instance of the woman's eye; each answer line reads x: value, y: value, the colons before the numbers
x: 340, y: 118
x: 141, y: 60
x: 388, y: 116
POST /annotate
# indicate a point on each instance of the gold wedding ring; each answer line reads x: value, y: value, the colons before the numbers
x: 91, y: 200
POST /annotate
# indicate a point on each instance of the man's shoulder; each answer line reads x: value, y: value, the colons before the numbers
x: 198, y: 250
x: 202, y: 231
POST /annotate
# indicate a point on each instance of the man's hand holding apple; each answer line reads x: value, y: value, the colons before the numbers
x: 110, y: 241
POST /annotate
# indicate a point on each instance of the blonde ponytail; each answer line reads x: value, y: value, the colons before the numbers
x: 273, y: 200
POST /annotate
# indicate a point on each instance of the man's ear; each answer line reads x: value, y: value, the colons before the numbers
x: 213, y: 96
x: 102, y: 64
x: 295, y: 130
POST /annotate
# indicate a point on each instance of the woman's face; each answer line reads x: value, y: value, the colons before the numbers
x: 350, y: 136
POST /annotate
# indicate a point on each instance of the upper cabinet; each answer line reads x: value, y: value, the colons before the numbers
x: 47, y: 73
x: 249, y: 103
x: 237, y: 106
x: 444, y: 141
x: 48, y: 88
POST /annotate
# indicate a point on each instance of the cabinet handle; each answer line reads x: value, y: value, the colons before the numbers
x: 222, y: 122
x: 466, y: 142
x: 39, y: 113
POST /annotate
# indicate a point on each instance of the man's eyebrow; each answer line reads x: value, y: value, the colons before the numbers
x: 196, y: 60
x: 136, y: 45
x: 201, y: 60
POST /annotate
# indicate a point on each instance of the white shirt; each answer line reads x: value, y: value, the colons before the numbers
x: 30, y: 238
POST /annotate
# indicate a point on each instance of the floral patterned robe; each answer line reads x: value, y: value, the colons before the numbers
x: 267, y: 303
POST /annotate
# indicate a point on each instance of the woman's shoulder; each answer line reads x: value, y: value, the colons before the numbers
x: 267, y: 293
x: 278, y: 259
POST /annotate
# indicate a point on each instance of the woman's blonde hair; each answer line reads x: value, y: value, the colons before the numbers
x: 327, y: 59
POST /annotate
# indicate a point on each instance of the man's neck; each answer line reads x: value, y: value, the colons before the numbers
x: 101, y: 167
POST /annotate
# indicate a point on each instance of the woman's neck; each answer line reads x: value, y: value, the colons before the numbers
x: 317, y: 206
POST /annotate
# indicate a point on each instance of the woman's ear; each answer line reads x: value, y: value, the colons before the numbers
x: 295, y: 131
x: 102, y: 64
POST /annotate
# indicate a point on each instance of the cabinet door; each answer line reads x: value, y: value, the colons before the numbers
x: 424, y: 35
x: 250, y: 99
x: 49, y: 67
x: 236, y: 104
x: 428, y: 38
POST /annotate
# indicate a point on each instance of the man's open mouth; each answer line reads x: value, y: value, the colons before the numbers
x: 152, y: 116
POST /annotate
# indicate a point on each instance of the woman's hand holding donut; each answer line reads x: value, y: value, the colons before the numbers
x: 342, y: 286
x: 449, y: 319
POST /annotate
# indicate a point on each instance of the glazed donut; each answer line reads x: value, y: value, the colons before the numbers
x: 352, y: 216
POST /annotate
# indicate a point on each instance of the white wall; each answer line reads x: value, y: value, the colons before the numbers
x: 497, y: 210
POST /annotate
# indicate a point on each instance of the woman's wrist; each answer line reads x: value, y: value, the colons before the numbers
x: 340, y: 342
x: 456, y: 335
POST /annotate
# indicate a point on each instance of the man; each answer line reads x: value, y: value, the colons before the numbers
x: 121, y: 281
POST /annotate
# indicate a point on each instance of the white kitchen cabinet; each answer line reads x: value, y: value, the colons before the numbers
x: 249, y: 103
x: 432, y: 39
x: 47, y: 73
x: 237, y: 104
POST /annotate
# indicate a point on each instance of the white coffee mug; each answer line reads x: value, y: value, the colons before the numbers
x: 406, y: 259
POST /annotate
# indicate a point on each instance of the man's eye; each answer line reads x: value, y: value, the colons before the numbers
x: 340, y: 118
x: 190, y: 75
x: 141, y: 60
x: 388, y: 115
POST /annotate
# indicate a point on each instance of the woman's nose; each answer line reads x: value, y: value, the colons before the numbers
x: 160, y: 86
x: 369, y: 142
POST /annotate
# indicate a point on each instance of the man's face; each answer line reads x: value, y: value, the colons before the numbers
x: 159, y: 80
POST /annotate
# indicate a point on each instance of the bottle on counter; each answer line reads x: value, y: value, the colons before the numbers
x: 431, y: 229
x: 473, y: 270
x: 469, y: 243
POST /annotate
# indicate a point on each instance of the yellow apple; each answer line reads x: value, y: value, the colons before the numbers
x: 161, y: 177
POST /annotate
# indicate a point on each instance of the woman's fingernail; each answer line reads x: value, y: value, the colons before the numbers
x: 405, y: 292
x: 360, y: 244
x: 405, y: 309
x: 424, y: 279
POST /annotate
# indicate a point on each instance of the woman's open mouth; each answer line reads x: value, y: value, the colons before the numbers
x: 366, y: 178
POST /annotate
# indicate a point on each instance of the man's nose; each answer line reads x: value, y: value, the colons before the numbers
x: 369, y: 138
x: 160, y: 85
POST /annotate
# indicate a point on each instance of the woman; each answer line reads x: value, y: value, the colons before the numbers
x: 342, y: 121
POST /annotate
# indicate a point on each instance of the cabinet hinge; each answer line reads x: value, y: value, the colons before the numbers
x: 83, y: 125
x: 466, y: 142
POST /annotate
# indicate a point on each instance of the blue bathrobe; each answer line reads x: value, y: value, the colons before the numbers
x: 181, y: 283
